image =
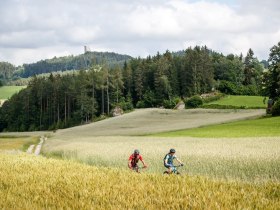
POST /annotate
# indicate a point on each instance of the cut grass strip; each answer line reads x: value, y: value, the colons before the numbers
x: 247, y: 128
x: 241, y: 101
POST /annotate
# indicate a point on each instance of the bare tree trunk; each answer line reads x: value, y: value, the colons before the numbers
x: 65, y: 108
x: 48, y: 114
x: 117, y: 94
x: 92, y: 110
x: 41, y: 110
x: 58, y: 117
x: 102, y: 100
x: 69, y: 107
x: 108, y: 99
x: 28, y: 108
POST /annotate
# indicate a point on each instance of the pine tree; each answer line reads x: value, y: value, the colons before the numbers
x: 271, y: 79
x: 249, y: 71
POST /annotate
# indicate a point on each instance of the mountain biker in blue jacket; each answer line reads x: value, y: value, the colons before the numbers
x: 168, y: 161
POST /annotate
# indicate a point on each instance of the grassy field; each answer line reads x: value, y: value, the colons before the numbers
x: 148, y: 121
x: 16, y: 142
x: 7, y: 91
x: 247, y: 159
x: 247, y: 128
x: 238, y: 101
x: 29, y: 182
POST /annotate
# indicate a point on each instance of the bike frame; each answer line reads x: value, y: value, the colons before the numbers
x: 138, y: 169
x: 174, y: 169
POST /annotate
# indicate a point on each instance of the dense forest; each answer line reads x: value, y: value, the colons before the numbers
x: 61, y: 101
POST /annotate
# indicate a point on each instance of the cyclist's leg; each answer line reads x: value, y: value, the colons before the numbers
x: 169, y: 169
x: 135, y: 168
x: 173, y: 169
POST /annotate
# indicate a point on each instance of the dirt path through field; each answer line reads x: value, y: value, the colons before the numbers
x: 36, y: 149
x: 147, y: 121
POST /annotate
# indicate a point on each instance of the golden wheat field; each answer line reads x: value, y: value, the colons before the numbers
x: 29, y: 182
x: 16, y: 142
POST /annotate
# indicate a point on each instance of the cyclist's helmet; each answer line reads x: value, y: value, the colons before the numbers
x: 136, y: 152
x: 172, y: 151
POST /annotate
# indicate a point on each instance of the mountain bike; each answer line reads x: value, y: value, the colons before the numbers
x: 138, y: 169
x: 174, y: 170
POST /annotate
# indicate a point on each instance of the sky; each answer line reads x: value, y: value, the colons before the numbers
x: 31, y: 30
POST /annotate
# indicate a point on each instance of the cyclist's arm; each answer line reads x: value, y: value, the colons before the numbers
x: 144, y: 164
x: 179, y: 161
x: 129, y: 164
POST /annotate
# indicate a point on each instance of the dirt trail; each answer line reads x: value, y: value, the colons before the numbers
x: 37, y: 147
x: 147, y: 121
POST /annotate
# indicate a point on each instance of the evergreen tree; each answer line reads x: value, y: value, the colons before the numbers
x: 127, y: 78
x: 138, y: 80
x: 162, y: 86
x: 249, y: 71
x: 271, y: 79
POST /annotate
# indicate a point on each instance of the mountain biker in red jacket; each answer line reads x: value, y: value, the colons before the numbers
x: 134, y: 159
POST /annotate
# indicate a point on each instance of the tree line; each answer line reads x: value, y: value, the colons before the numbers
x: 161, y: 80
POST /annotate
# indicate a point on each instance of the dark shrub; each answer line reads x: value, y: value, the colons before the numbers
x: 250, y: 90
x: 194, y: 102
x: 140, y: 104
x: 228, y: 88
x: 275, y: 111
x: 170, y: 104
x: 125, y: 105
x: 212, y: 97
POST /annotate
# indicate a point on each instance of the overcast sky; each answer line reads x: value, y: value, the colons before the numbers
x: 31, y: 30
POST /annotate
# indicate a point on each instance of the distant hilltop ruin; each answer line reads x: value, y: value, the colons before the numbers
x: 86, y: 49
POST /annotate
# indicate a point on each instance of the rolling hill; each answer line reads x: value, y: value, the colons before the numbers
x: 71, y: 62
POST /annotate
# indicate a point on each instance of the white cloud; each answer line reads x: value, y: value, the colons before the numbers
x: 36, y: 29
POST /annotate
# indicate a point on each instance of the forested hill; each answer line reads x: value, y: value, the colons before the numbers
x: 71, y: 63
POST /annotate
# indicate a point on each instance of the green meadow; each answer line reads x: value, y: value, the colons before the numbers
x: 241, y: 101
x: 7, y: 91
x: 267, y: 126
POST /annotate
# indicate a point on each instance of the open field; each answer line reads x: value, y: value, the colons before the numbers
x: 148, y: 121
x: 248, y: 128
x: 7, y: 91
x: 238, y: 101
x: 16, y: 142
x: 219, y: 173
x: 246, y: 159
x: 29, y: 182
